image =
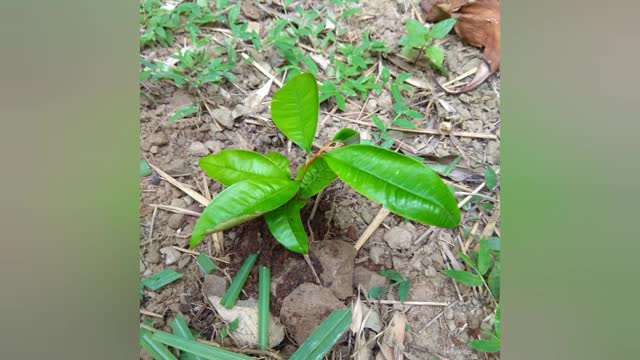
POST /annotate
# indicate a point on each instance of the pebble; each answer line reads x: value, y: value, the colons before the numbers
x: 448, y: 314
x: 223, y: 116
x: 198, y: 149
x: 159, y: 139
x: 375, y: 254
x: 155, y: 179
x: 451, y: 325
x: 154, y: 149
x: 215, y: 146
x: 398, y: 238
x: 176, y: 221
x: 178, y: 203
x: 153, y: 256
x: 171, y: 255
x: 184, y: 261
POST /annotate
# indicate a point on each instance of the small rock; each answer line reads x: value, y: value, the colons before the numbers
x: 188, y: 200
x: 154, y: 149
x: 215, y: 146
x: 306, y: 308
x: 184, y: 261
x: 337, y: 258
x: 159, y: 139
x: 171, y: 255
x: 375, y: 254
x: 155, y: 179
x: 214, y: 285
x: 177, y: 166
x: 198, y: 149
x: 178, y: 203
x: 474, y: 321
x: 240, y: 110
x: 223, y: 116
x: 368, y: 279
x: 176, y: 221
x: 437, y: 259
x: 145, y: 145
x: 398, y: 238
x: 153, y: 254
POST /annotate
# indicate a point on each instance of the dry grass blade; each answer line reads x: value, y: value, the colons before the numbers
x: 175, y: 209
x: 392, y: 343
x: 197, y: 197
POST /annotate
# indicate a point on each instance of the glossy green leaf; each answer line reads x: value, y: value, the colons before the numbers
x: 280, y: 160
x: 145, y: 169
x: 196, y: 348
x: 231, y: 296
x: 294, y: 110
x: 182, y: 113
x: 441, y: 29
x: 347, y: 136
x: 491, y: 178
x: 264, y: 295
x: 401, y: 184
x: 484, y: 257
x: 242, y: 202
x: 435, y: 54
x: 206, y: 264
x: 180, y: 328
x: 403, y: 290
x: 286, y: 226
x: 154, y: 348
x: 317, y: 178
x: 232, y: 166
x: 486, y: 346
x: 464, y: 277
x: 324, y: 337
x: 377, y: 292
x: 161, y: 279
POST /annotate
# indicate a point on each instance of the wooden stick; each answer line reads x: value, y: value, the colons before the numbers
x: 261, y: 69
x: 382, y: 214
x: 175, y: 209
x: 149, y: 313
x: 407, y: 303
x: 432, y: 131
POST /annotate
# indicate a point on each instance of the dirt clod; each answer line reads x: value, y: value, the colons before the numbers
x: 159, y: 139
x: 337, y: 258
x: 398, y: 238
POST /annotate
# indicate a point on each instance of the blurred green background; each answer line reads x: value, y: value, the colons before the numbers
x: 70, y: 192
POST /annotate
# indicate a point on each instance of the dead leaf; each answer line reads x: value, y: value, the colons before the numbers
x: 478, y: 24
x: 255, y: 97
x: 251, y: 11
x: 392, y: 343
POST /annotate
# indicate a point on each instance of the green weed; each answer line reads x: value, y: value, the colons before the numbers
x: 418, y: 37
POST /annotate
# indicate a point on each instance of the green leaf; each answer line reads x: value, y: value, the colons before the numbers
x: 441, y: 29
x: 392, y: 275
x: 229, y: 167
x: 280, y: 160
x: 233, y: 326
x: 286, y: 226
x: 403, y: 185
x: 491, y: 178
x: 404, y: 124
x: 403, y: 290
x: 264, y: 287
x: 145, y: 169
x: 378, y: 292
x: 318, y: 177
x: 324, y: 337
x: 154, y: 348
x: 494, y: 280
x: 414, y: 114
x: 347, y: 136
x: 416, y: 33
x: 498, y: 321
x: 486, y: 346
x: 242, y: 202
x: 161, y: 279
x: 196, y: 348
x: 469, y: 261
x: 494, y: 243
x: 180, y: 328
x: 484, y: 257
x: 231, y: 296
x: 464, y: 277
x: 182, y: 113
x: 294, y: 110
x: 436, y: 55
x: 350, y: 12
x: 378, y: 123
x: 206, y: 264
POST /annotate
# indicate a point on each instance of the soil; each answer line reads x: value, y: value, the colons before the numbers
x: 341, y: 213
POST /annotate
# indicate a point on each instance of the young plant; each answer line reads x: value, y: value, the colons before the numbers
x: 260, y: 185
x: 418, y: 37
x: 403, y: 286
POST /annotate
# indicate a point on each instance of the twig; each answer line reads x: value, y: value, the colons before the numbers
x: 407, y: 303
x: 261, y: 69
x: 153, y: 219
x: 432, y: 132
x: 474, y: 192
x: 436, y: 317
x: 174, y: 209
x: 197, y: 197
x: 149, y: 313
x: 187, y: 251
x: 382, y: 214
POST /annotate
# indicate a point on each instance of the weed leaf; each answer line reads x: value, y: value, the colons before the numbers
x: 286, y: 226
x: 392, y: 275
x: 378, y: 292
x: 154, y: 348
x: 294, y: 110
x: 403, y: 290
x: 403, y: 185
x: 464, y: 277
x: 231, y: 296
x: 491, y: 178
x: 161, y: 279
x: 484, y: 257
x: 494, y: 279
x: 486, y: 346
x: 324, y: 337
x: 145, y: 169
x: 182, y: 113
x: 242, y: 202
x: 441, y: 29
x: 196, y: 348
x: 436, y: 55
x: 206, y: 264
x: 232, y: 166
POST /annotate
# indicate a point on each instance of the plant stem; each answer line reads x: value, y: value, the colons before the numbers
x: 314, y: 158
x: 313, y: 270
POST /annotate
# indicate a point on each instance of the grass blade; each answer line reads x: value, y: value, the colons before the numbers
x: 180, y: 328
x: 196, y: 348
x: 154, y: 348
x: 464, y: 277
x: 182, y: 113
x: 324, y: 337
x: 231, y: 296
x: 264, y: 295
x: 206, y: 264
x: 161, y: 279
